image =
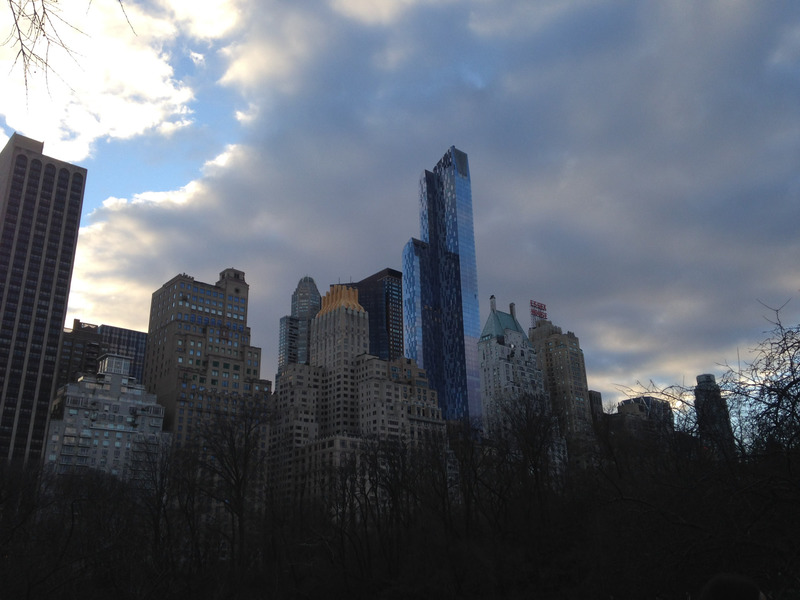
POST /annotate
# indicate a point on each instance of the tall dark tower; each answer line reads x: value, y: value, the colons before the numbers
x: 561, y: 358
x: 381, y: 295
x: 713, y: 420
x: 440, y: 289
x: 40, y: 212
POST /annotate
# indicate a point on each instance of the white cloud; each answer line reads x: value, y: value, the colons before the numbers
x: 249, y: 115
x: 168, y: 128
x: 219, y: 162
x: 180, y: 196
x: 113, y: 83
x: 114, y: 203
x: 276, y: 51
x: 211, y: 19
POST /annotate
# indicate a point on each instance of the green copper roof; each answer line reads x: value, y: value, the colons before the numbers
x: 498, y: 323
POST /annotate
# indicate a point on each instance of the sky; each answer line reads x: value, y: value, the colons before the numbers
x: 634, y: 164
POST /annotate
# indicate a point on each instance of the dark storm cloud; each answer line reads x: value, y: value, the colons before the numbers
x: 634, y: 166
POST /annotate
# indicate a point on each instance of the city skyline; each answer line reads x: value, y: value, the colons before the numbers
x: 633, y: 166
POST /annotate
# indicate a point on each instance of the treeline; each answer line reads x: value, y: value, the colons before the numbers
x: 456, y: 520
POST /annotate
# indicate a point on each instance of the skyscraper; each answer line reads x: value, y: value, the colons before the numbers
x: 713, y: 420
x: 381, y: 295
x: 324, y: 410
x: 516, y: 404
x: 561, y: 359
x: 440, y: 288
x: 295, y: 329
x: 509, y: 372
x: 40, y: 211
x: 198, y: 343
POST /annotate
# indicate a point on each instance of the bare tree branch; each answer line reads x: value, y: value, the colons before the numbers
x: 36, y: 29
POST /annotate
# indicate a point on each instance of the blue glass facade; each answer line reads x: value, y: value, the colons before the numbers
x: 440, y: 288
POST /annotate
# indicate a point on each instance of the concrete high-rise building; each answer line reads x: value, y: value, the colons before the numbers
x: 79, y: 353
x: 340, y: 333
x: 713, y: 420
x: 516, y: 404
x: 325, y: 410
x: 295, y: 329
x: 509, y: 370
x: 560, y: 357
x: 440, y: 289
x: 40, y: 212
x: 596, y: 406
x: 381, y: 295
x: 82, y: 346
x: 103, y: 421
x: 198, y: 341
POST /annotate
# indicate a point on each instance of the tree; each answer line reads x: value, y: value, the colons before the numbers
x: 232, y: 459
x: 766, y: 394
x: 36, y: 27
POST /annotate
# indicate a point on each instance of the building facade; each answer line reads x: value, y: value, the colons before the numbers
x: 125, y: 342
x: 40, y: 212
x: 324, y: 411
x: 713, y: 420
x: 199, y: 341
x: 381, y: 295
x: 509, y: 370
x: 104, y: 421
x: 561, y: 359
x: 79, y: 353
x: 82, y: 346
x: 295, y: 329
x: 440, y: 289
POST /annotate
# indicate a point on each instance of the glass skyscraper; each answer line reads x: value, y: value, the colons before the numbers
x: 381, y: 295
x: 440, y: 289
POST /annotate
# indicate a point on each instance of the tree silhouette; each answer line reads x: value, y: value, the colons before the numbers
x: 36, y: 30
x: 232, y: 458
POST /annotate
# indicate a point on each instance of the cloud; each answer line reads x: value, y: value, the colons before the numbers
x: 633, y: 166
x: 112, y: 81
x: 275, y: 48
x: 214, y: 19
x: 376, y: 13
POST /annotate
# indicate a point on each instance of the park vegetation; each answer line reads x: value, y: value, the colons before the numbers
x: 455, y: 518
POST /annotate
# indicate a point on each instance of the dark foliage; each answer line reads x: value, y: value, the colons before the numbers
x: 439, y: 520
